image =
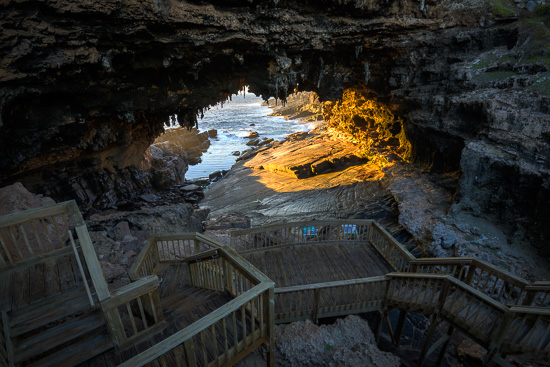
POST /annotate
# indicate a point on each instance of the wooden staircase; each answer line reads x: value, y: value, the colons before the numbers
x: 61, y: 331
x: 522, y: 331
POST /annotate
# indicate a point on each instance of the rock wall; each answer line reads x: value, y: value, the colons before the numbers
x: 86, y: 86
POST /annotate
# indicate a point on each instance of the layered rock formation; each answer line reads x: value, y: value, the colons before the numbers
x: 86, y: 86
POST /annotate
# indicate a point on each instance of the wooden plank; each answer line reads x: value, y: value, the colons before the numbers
x: 76, y: 353
x: 196, y: 327
x: 48, y: 310
x: 58, y: 335
x: 93, y: 264
x: 27, y: 215
x: 21, y: 289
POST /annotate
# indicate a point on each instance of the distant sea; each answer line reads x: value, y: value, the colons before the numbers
x: 232, y: 121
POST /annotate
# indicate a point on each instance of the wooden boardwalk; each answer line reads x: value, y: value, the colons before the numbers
x: 318, y: 263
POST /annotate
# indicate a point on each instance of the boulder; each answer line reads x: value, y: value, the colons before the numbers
x: 253, y: 142
x: 348, y: 342
x: 252, y: 135
x: 16, y: 198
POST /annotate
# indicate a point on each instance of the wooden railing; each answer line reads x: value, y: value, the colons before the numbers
x: 488, y: 303
x: 529, y: 332
x: 35, y: 232
x: 29, y: 237
x: 315, y: 301
x: 357, y: 230
x: 230, y: 332
x: 224, y: 271
x: 139, y: 303
x: 394, y: 253
x: 169, y: 247
x: 220, y: 338
x: 499, y: 284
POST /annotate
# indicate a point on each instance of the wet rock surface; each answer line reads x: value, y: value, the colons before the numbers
x: 307, y: 157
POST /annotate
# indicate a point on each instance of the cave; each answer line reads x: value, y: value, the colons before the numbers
x: 457, y: 91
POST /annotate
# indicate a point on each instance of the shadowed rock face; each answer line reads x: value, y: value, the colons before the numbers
x: 86, y: 86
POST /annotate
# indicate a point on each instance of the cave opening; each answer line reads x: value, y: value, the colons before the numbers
x: 230, y: 130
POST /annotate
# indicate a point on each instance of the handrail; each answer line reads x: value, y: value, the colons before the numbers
x: 313, y: 301
x: 337, y: 283
x: 35, y: 234
x: 141, y: 295
x: 13, y: 219
x: 305, y: 223
x: 304, y: 232
x: 531, y: 310
x: 165, y: 248
x: 184, y: 335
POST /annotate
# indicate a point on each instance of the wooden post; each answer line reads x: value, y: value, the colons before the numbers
x: 497, y: 337
x: 197, y: 245
x: 94, y: 268
x: 378, y: 328
x: 316, y: 297
x: 190, y: 352
x: 114, y: 323
x: 445, y: 345
x: 400, y: 326
x: 270, y: 320
x: 84, y: 280
x: 428, y: 340
x: 529, y: 298
x: 470, y: 276
x: 152, y: 306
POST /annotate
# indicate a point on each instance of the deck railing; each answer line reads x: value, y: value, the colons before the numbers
x: 395, y: 254
x: 139, y: 303
x: 220, y: 338
x: 481, y: 299
x: 313, y: 301
x: 27, y: 237
x: 305, y: 232
x: 230, y: 332
x: 499, y: 284
x: 529, y: 332
x: 164, y: 248
x: 33, y: 236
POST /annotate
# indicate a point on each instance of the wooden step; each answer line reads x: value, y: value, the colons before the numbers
x: 49, y: 310
x: 76, y: 353
x: 41, y: 342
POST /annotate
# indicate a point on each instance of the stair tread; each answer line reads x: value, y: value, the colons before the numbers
x: 29, y: 318
x: 58, y: 335
x: 77, y: 353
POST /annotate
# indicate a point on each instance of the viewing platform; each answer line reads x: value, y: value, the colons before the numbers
x: 196, y: 302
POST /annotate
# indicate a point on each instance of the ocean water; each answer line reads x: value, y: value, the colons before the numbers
x: 232, y: 121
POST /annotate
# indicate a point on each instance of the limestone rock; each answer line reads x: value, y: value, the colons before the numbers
x: 252, y: 135
x: 306, y: 158
x: 16, y: 198
x: 344, y: 343
x: 253, y: 142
